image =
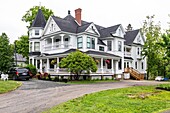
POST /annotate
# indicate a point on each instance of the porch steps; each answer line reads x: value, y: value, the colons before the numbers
x: 135, y: 74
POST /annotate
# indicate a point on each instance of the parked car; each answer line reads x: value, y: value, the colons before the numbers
x: 159, y: 78
x: 16, y: 73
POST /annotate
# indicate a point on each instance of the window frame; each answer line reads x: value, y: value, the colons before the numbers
x: 100, y: 48
x: 119, y: 45
x: 36, y: 47
x: 37, y: 32
x: 80, y: 42
x: 109, y: 45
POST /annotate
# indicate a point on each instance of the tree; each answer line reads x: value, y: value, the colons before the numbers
x: 152, y: 50
x: 77, y: 62
x: 32, y: 12
x: 22, y: 46
x: 6, y: 54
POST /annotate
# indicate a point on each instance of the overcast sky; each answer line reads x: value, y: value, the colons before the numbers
x: 102, y: 12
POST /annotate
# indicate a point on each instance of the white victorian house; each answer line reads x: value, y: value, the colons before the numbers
x: 113, y: 47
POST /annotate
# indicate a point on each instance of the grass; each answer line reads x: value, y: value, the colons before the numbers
x: 6, y: 86
x: 90, y: 81
x: 138, y: 99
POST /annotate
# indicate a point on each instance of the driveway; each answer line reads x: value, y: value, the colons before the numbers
x: 35, y: 96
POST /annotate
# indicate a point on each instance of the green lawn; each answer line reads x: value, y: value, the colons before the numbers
x: 6, y: 86
x: 138, y: 99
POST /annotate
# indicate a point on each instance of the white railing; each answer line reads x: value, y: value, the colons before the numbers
x: 56, y: 45
x: 127, y: 53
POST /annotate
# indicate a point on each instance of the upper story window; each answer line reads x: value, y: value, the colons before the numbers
x: 90, y: 43
x: 142, y: 66
x: 139, y: 40
x: 138, y: 51
x: 30, y: 46
x: 101, y: 48
x: 119, y: 32
x: 51, y: 28
x: 80, y: 42
x: 119, y: 46
x: 37, y: 46
x: 109, y: 45
x: 136, y: 65
x: 37, y: 32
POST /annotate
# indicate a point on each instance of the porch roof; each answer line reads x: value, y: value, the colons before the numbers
x: 128, y: 58
x: 89, y: 52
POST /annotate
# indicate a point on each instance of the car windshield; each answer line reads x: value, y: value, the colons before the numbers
x: 22, y: 70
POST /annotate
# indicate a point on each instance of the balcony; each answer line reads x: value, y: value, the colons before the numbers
x: 57, y: 45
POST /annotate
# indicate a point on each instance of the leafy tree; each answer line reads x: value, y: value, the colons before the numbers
x: 32, y: 12
x: 166, y: 57
x: 6, y: 54
x: 152, y: 50
x: 22, y: 46
x: 77, y: 62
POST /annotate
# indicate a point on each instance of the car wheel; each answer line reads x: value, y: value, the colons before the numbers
x: 27, y: 78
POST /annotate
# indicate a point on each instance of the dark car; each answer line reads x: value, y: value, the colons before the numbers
x: 19, y: 73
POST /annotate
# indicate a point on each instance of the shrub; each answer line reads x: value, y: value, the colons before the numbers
x: 32, y: 68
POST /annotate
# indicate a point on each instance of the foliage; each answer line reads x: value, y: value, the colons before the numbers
x: 32, y: 68
x: 77, y: 62
x: 152, y: 50
x: 164, y: 86
x: 6, y: 86
x: 22, y: 46
x: 6, y: 53
x: 139, y: 99
x: 32, y: 12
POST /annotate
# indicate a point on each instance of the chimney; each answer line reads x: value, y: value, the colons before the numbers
x: 78, y: 16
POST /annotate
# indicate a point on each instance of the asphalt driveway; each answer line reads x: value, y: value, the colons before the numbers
x: 35, y: 96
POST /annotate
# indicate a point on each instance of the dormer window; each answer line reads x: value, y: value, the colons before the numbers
x: 138, y: 40
x: 37, y: 32
x: 51, y: 29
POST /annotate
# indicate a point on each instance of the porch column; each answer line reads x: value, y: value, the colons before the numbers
x: 33, y: 61
x: 41, y: 65
x: 112, y: 66
x: 58, y: 64
x: 36, y: 63
x: 116, y: 66
x: 52, y: 38
x: 48, y: 65
x: 102, y: 65
x: 62, y: 40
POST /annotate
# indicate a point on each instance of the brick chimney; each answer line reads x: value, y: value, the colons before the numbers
x: 78, y: 16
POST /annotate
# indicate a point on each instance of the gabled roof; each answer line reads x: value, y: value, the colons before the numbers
x: 100, y: 42
x: 39, y: 20
x: 130, y: 36
x: 106, y: 32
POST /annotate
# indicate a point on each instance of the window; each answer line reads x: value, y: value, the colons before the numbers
x: 51, y: 29
x: 37, y: 46
x: 136, y: 65
x: 79, y: 42
x: 93, y: 43
x: 119, y: 46
x: 138, y: 51
x: 36, y: 32
x: 142, y: 65
x: 101, y: 48
x: 119, y: 32
x: 88, y: 42
x: 66, y: 39
x: 109, y: 45
x: 30, y: 46
x: 120, y: 64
